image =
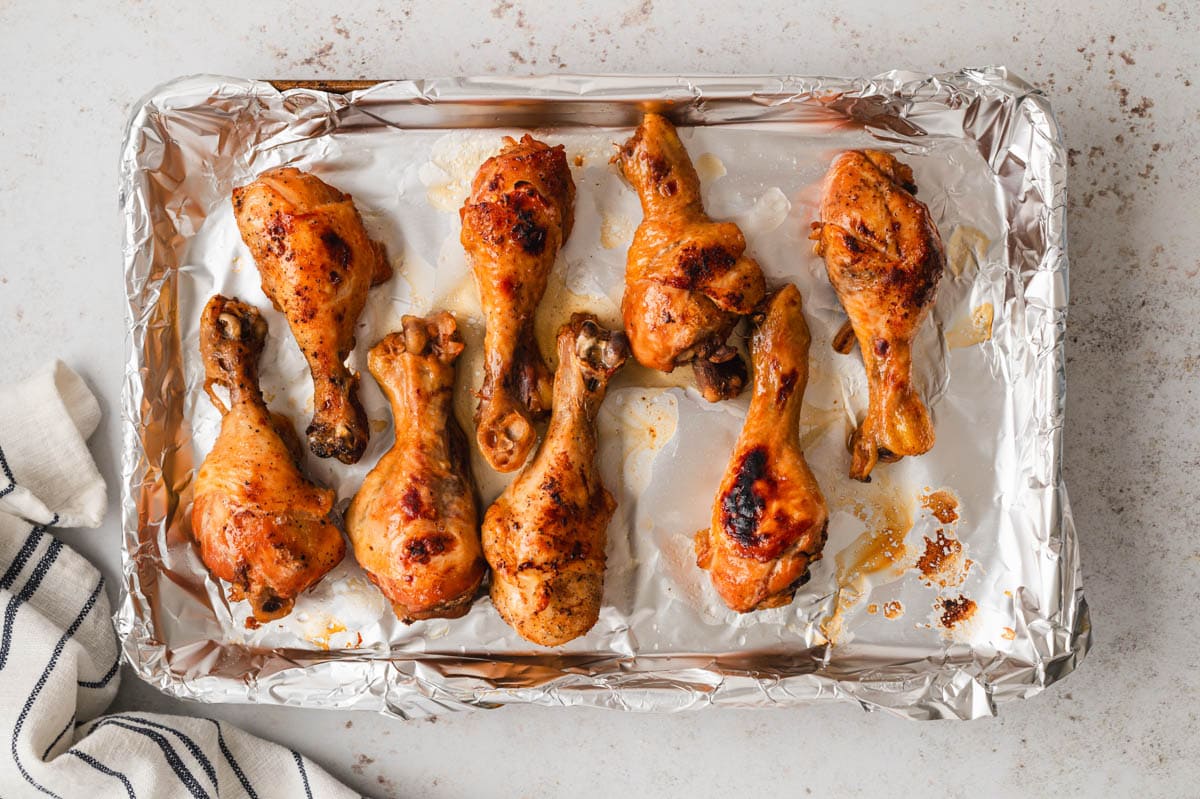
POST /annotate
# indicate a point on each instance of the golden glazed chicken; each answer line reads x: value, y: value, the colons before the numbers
x: 414, y: 524
x: 545, y: 536
x: 261, y: 525
x: 316, y: 263
x: 885, y: 258
x: 518, y: 216
x: 769, y: 519
x: 687, y: 280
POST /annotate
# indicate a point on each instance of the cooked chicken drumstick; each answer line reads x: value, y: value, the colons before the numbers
x: 769, y: 518
x: 545, y: 536
x: 519, y: 214
x: 316, y: 263
x: 414, y: 524
x: 261, y: 525
x: 687, y: 281
x: 885, y: 258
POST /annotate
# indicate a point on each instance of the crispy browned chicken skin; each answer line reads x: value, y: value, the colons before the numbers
x: 545, y: 536
x: 885, y: 258
x: 517, y: 218
x: 261, y: 525
x: 687, y: 281
x: 316, y: 263
x: 769, y: 519
x: 414, y: 524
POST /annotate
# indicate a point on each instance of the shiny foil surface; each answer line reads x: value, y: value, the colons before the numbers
x: 950, y: 583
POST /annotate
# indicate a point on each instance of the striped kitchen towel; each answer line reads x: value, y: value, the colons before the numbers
x: 59, y: 664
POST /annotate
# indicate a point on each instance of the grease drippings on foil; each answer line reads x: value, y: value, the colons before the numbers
x: 955, y: 611
x: 891, y: 610
x: 768, y: 212
x: 709, y: 167
x: 643, y: 420
x: 942, y: 504
x: 590, y: 150
x: 894, y: 544
x: 616, y: 231
x: 320, y: 629
x: 967, y: 249
x: 943, y: 563
x: 878, y: 554
x: 973, y: 329
x: 453, y: 162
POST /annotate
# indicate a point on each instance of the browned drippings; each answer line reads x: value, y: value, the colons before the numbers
x: 893, y: 609
x: 872, y: 609
x: 942, y: 504
x: 1008, y: 634
x: 943, y: 563
x: 955, y: 610
x: 252, y: 623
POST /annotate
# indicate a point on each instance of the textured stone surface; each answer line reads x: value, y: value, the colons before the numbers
x: 1120, y: 76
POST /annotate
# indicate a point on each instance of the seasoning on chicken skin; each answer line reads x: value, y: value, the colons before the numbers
x: 769, y: 519
x: 261, y: 525
x: 885, y: 258
x: 414, y: 523
x: 545, y: 535
x: 517, y: 218
x: 317, y: 264
x: 687, y: 278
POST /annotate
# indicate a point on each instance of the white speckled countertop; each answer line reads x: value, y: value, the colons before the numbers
x: 1120, y: 76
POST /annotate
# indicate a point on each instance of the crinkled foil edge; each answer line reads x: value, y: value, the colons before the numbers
x: 1022, y: 138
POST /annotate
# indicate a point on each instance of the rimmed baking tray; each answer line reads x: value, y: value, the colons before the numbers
x: 916, y: 609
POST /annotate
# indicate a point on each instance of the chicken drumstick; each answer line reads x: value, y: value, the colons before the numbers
x: 519, y: 214
x: 316, y: 263
x: 769, y: 520
x: 545, y: 535
x: 687, y: 281
x: 261, y: 525
x: 885, y: 258
x: 414, y: 523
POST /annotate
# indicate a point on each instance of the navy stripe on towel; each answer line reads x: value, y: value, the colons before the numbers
x: 303, y: 774
x: 233, y: 764
x: 41, y: 683
x: 105, y: 680
x: 12, y: 481
x: 57, y: 738
x: 196, y: 751
x: 30, y: 588
x: 23, y: 554
x: 103, y: 769
x: 186, y: 777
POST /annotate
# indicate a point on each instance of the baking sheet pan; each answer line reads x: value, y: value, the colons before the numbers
x: 950, y: 583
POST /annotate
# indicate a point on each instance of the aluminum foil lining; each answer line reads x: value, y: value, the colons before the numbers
x: 950, y: 583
